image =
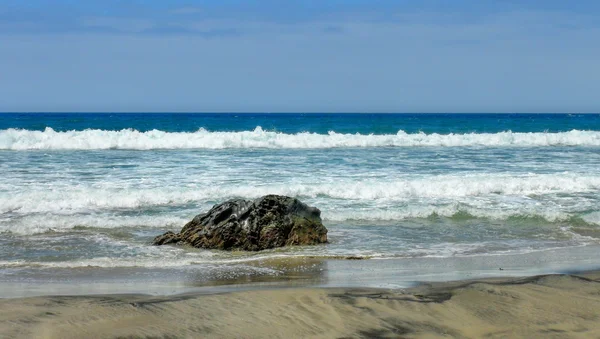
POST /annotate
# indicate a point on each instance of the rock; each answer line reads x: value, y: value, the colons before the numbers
x: 267, y: 222
x: 167, y: 238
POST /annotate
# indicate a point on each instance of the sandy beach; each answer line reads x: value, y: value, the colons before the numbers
x: 558, y: 306
x: 299, y: 169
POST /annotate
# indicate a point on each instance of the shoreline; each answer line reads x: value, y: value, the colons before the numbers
x: 558, y: 305
x: 299, y: 272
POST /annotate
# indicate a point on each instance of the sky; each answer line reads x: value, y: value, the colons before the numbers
x: 299, y: 56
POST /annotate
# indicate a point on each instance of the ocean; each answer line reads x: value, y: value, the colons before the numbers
x: 83, y: 195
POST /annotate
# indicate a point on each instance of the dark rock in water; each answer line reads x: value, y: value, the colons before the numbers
x: 167, y: 238
x: 267, y: 222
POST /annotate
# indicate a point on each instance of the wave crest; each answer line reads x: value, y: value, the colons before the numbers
x: 92, y: 139
x: 507, y: 189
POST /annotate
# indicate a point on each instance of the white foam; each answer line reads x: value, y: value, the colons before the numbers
x: 592, y: 218
x: 42, y: 223
x: 81, y: 199
x: 145, y: 262
x: 583, y: 239
x: 448, y: 211
x: 493, y: 196
x: 47, y: 222
x: 90, y: 139
x: 166, y: 257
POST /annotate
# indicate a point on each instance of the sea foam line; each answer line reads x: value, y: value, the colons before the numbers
x: 91, y: 139
x: 394, y: 216
x: 70, y: 199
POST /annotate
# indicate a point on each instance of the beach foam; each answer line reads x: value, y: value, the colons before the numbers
x: 84, y: 198
x: 42, y: 223
x: 550, y: 197
x: 92, y: 139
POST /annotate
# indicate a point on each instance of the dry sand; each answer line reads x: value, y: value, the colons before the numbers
x: 560, y: 306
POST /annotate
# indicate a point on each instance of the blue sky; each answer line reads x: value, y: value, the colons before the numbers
x: 300, y: 56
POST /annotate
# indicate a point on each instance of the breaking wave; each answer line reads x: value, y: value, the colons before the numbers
x: 512, y: 189
x: 93, y: 139
x: 33, y: 224
x: 562, y: 197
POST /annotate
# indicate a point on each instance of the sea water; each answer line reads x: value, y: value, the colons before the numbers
x: 85, y: 191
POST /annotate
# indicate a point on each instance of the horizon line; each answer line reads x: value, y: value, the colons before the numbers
x: 274, y: 112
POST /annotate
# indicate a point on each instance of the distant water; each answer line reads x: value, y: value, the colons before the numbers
x: 82, y: 190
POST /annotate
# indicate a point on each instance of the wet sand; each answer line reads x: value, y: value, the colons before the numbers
x: 297, y: 272
x: 560, y: 306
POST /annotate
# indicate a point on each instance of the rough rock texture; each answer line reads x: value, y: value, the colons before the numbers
x: 267, y: 222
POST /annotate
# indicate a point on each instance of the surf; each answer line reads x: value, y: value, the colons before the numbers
x: 131, y: 139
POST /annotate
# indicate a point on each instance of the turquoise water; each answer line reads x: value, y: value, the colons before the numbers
x: 294, y: 123
x: 92, y: 190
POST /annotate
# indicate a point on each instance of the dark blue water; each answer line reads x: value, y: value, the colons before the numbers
x: 295, y: 123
